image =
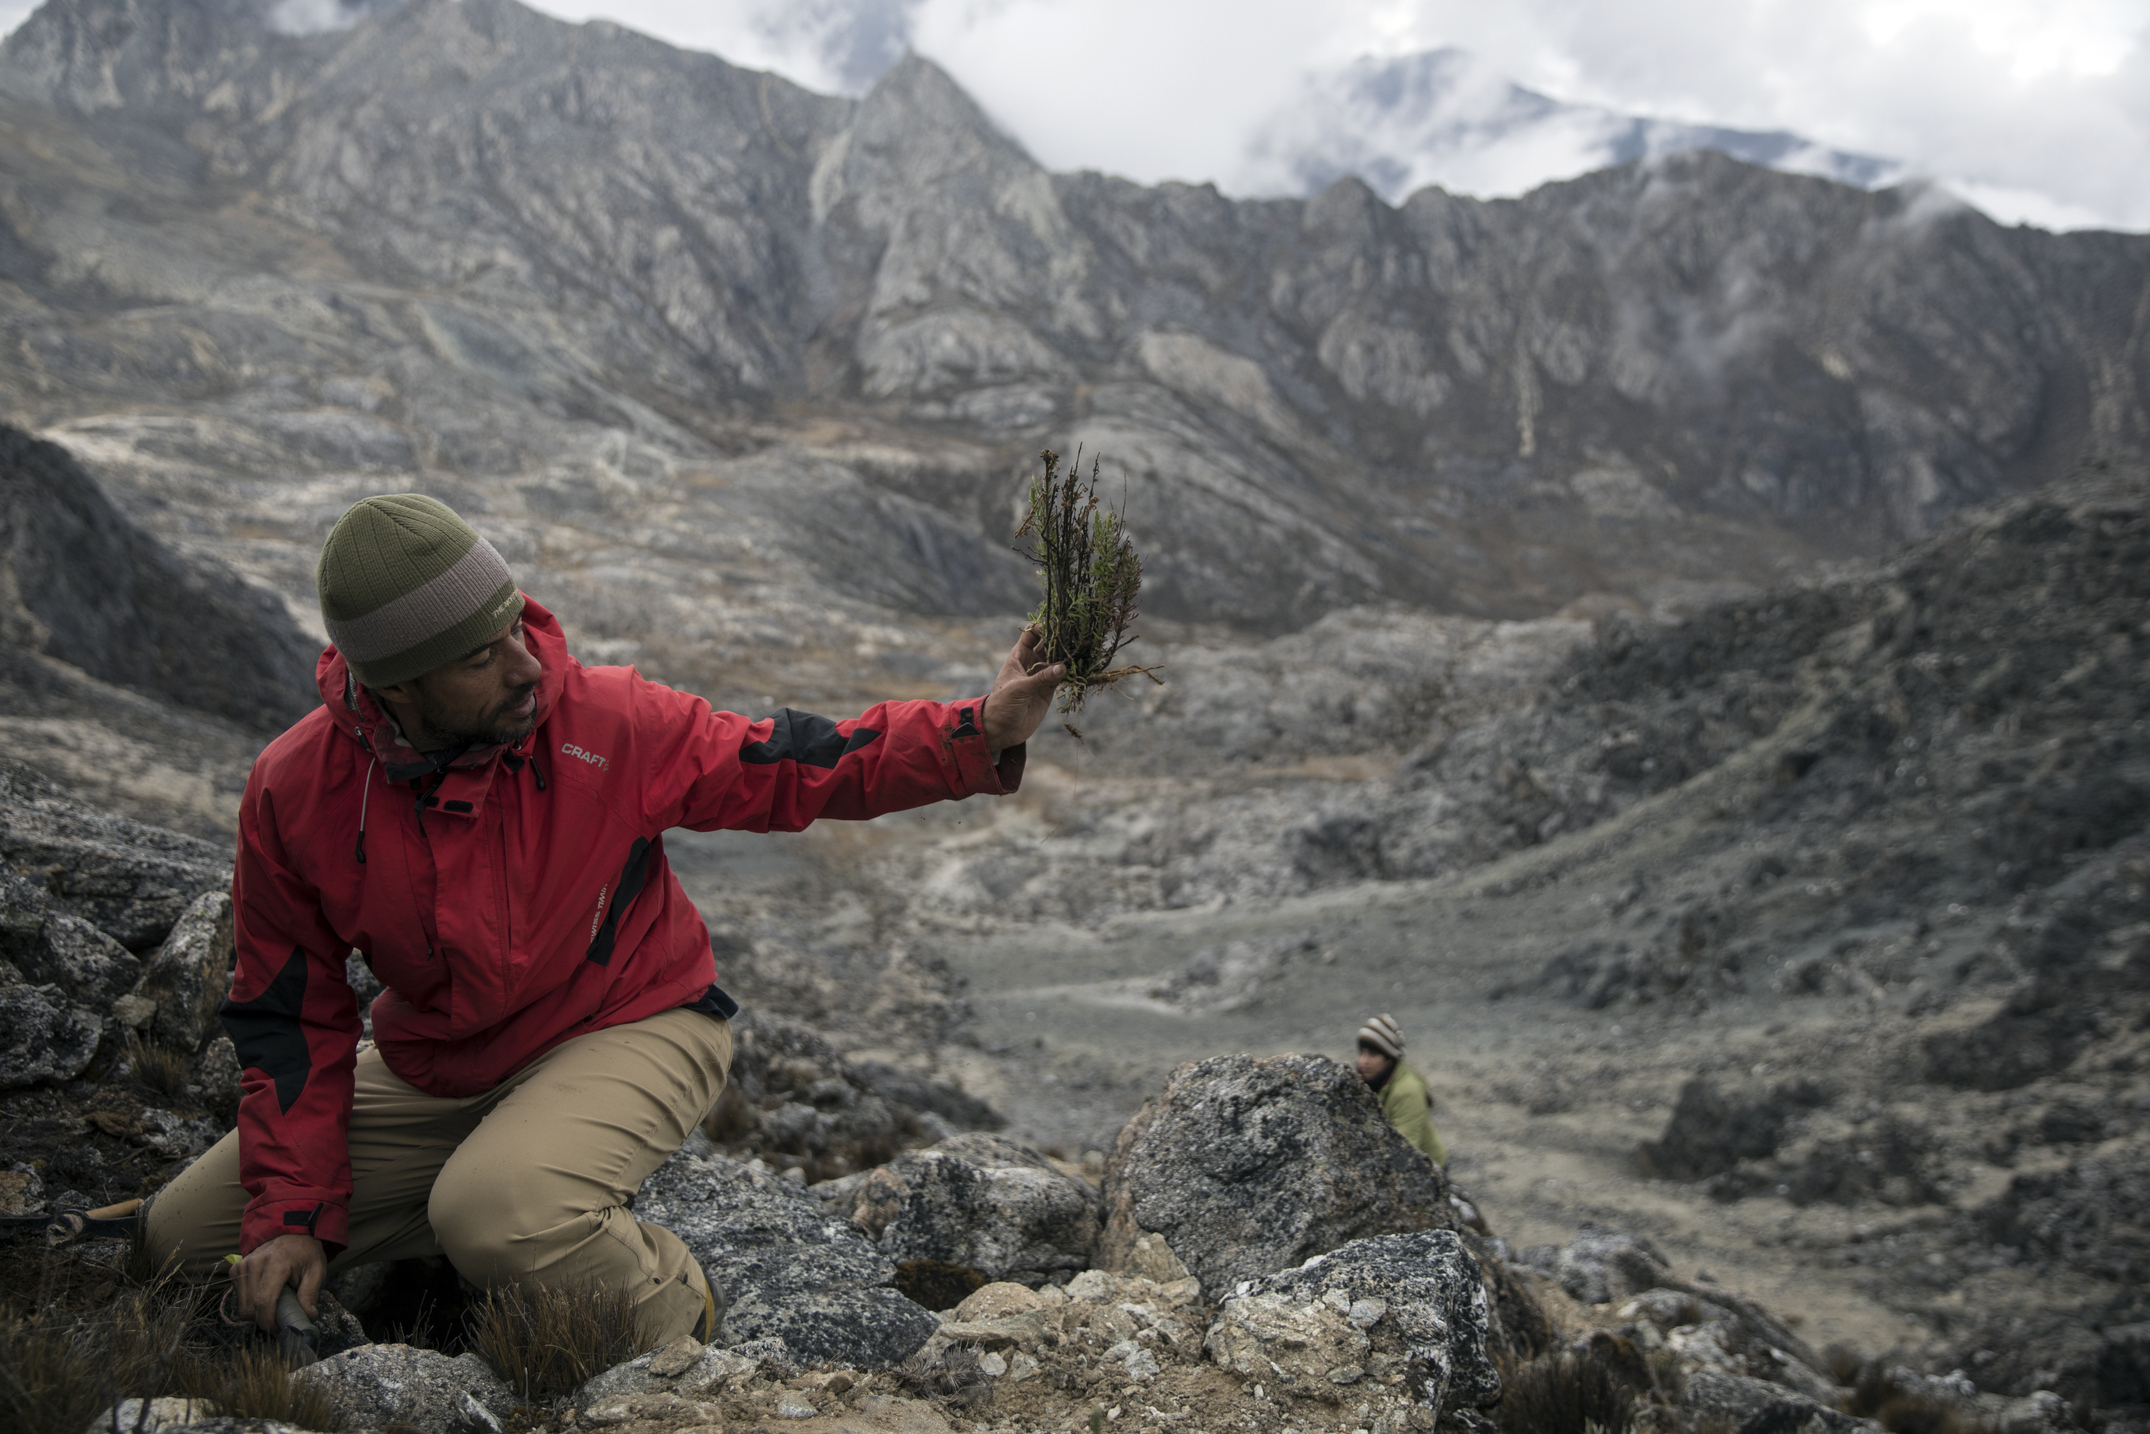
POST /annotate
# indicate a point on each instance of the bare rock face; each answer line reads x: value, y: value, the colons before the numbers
x: 190, y: 974
x: 83, y: 583
x: 44, y: 1040
x: 132, y: 881
x: 49, y: 946
x: 379, y: 1384
x: 793, y: 1272
x: 1410, y: 1304
x: 1249, y: 1166
x: 988, y: 1204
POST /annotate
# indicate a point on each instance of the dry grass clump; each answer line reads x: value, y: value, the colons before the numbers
x: 78, y: 1336
x: 1092, y: 575
x: 158, y: 1069
x: 1908, y: 1408
x: 1564, y: 1393
x: 546, y: 1342
x: 58, y: 1371
x: 253, y: 1382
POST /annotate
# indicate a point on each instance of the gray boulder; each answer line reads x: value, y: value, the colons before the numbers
x: 217, y: 1071
x: 1250, y: 1166
x: 684, y: 1366
x: 1409, y: 1304
x: 131, y: 881
x: 190, y: 975
x: 52, y: 947
x: 379, y: 1384
x: 1755, y: 1406
x: 1599, y: 1266
x: 988, y: 1204
x: 44, y: 1040
x: 793, y: 1273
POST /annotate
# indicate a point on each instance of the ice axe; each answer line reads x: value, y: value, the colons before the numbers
x: 63, y: 1226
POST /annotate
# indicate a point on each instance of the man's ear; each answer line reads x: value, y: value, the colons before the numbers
x: 404, y: 692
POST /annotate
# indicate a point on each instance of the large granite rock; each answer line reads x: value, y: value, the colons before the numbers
x: 381, y: 1384
x: 985, y: 1203
x: 1599, y: 1265
x: 1755, y: 1406
x: 190, y: 975
x: 130, y: 880
x: 793, y: 1272
x: 1409, y: 1304
x: 44, y: 1040
x: 51, y: 946
x: 1248, y: 1166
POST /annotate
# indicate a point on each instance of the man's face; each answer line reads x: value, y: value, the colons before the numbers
x: 1372, y: 1064
x: 487, y: 696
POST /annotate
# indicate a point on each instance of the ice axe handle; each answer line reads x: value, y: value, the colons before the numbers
x: 296, y: 1335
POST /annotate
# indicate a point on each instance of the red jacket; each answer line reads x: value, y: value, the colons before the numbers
x: 529, y: 904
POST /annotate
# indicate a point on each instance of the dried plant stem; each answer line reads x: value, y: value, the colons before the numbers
x: 1091, y: 574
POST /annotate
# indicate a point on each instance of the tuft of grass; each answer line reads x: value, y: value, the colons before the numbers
x: 59, y: 1371
x: 543, y: 1343
x: 1564, y: 1393
x: 1092, y: 576
x: 1905, y: 1408
x: 157, y: 1069
x: 253, y: 1382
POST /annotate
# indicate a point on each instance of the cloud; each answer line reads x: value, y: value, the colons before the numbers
x: 2034, y: 109
x: 2039, y: 109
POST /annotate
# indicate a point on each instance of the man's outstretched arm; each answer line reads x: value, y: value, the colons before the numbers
x: 719, y: 770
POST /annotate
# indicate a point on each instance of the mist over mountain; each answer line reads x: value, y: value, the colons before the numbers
x: 1443, y: 117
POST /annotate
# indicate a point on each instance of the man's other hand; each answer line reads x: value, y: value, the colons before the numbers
x: 286, y: 1260
x: 1020, y: 697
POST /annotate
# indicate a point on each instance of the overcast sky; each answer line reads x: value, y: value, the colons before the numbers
x: 2037, y: 110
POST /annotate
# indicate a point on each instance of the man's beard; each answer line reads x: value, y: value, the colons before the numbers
x: 457, y: 730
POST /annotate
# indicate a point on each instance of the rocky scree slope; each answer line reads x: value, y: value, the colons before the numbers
x: 636, y: 301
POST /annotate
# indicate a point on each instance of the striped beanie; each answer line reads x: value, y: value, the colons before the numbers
x: 406, y: 585
x: 1380, y: 1032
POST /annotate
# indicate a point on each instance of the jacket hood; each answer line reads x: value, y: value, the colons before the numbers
x: 360, y: 716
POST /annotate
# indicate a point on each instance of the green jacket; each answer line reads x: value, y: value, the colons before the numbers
x: 1410, y: 1109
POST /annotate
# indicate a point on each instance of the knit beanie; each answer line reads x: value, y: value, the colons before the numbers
x: 406, y: 585
x: 1381, y: 1033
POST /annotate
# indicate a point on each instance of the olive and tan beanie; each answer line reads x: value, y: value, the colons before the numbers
x: 406, y: 585
x: 1382, y: 1034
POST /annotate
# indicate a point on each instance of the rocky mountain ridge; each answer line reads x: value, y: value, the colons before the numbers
x: 589, y: 280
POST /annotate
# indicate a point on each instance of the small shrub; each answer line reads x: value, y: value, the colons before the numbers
x: 1091, y: 575
x: 545, y: 1342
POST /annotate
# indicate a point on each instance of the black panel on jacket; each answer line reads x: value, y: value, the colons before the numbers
x: 268, y: 1032
x: 632, y: 876
x: 806, y: 739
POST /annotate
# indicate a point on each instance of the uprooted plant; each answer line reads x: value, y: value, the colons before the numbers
x: 1091, y: 574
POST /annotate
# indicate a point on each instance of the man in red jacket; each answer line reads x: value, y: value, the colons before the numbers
x: 481, y: 818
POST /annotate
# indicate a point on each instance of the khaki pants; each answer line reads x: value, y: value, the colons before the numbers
x: 524, y: 1185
